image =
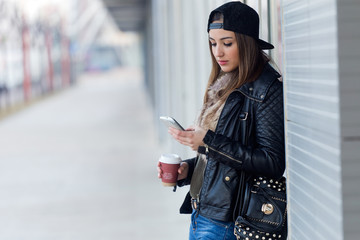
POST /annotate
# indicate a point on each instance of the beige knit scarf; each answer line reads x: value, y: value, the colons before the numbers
x: 211, y: 110
x: 208, y: 120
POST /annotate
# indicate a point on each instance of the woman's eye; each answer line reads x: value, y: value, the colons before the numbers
x: 227, y: 44
x: 213, y: 44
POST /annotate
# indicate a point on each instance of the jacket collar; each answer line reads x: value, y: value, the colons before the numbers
x: 258, y: 89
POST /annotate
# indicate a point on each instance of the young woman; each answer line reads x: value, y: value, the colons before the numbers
x: 240, y: 75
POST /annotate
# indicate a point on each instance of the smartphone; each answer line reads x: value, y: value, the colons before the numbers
x: 171, y: 122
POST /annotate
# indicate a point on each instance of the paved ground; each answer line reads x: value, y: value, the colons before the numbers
x: 81, y: 165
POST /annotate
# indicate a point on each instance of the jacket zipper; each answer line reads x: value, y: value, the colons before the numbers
x: 224, y: 154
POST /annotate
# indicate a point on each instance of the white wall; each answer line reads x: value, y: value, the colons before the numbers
x: 181, y: 62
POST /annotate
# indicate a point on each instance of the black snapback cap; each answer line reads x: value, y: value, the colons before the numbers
x: 240, y: 18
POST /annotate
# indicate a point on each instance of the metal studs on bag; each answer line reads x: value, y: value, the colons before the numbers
x: 270, y: 183
x: 253, y: 235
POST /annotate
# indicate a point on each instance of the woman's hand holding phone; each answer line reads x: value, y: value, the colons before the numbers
x: 191, y: 137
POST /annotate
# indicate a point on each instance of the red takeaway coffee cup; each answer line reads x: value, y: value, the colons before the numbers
x: 169, y: 165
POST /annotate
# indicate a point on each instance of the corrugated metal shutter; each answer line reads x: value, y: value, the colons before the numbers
x: 312, y: 119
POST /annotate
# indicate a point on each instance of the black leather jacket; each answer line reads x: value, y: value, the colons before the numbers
x: 262, y: 153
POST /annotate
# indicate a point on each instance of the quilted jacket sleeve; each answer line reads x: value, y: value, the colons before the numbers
x: 267, y: 156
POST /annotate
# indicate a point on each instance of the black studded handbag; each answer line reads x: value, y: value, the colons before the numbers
x: 262, y: 214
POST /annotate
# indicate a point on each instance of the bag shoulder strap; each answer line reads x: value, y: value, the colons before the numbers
x: 245, y: 133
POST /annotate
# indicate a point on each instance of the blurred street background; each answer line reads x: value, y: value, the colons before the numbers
x: 78, y: 144
x: 82, y: 86
x: 82, y: 165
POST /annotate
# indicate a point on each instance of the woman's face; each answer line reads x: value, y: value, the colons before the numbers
x: 224, y: 48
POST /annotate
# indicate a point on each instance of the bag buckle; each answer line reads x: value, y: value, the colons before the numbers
x: 244, y: 116
x: 253, y: 189
x: 194, y: 204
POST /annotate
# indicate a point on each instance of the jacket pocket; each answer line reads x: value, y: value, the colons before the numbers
x: 221, y: 190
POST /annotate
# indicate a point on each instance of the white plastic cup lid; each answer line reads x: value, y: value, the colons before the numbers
x: 170, y: 158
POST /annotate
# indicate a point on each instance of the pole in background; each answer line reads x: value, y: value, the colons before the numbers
x: 26, y: 60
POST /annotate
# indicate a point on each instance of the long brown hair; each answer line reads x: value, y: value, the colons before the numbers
x: 251, y: 63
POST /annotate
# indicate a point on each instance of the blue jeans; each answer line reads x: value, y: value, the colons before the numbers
x: 209, y: 229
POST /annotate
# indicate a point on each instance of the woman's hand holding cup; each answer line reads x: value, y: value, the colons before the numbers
x: 183, y: 171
